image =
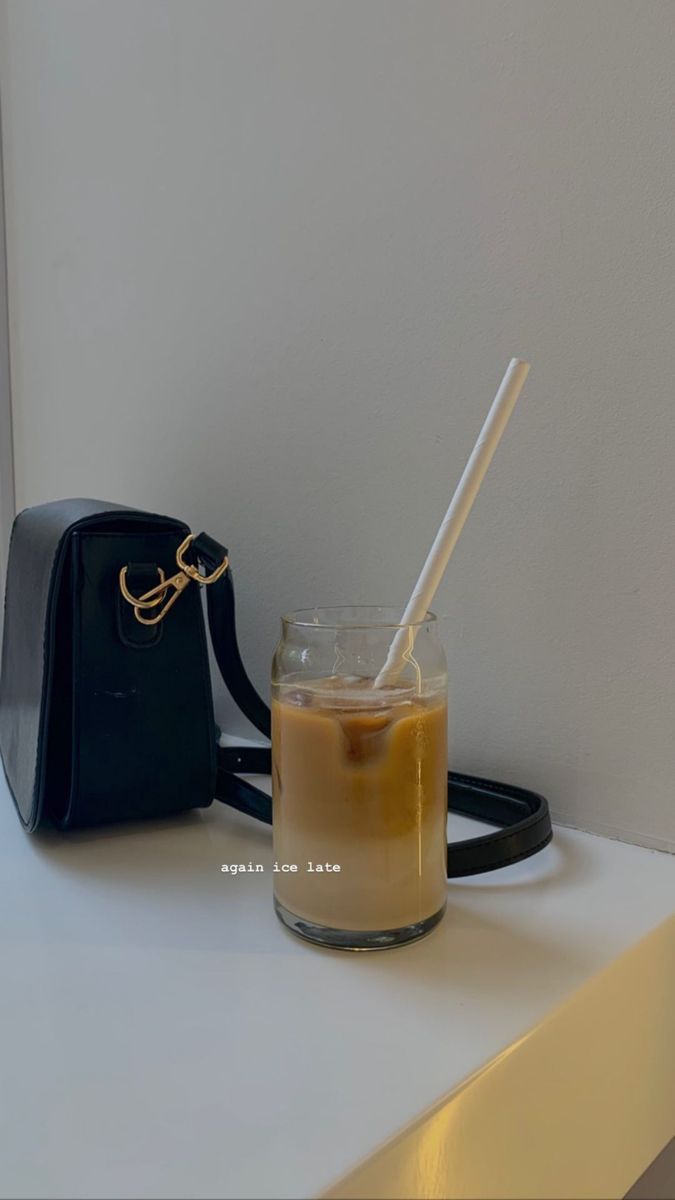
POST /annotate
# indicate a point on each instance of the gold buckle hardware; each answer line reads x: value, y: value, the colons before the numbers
x: 179, y: 582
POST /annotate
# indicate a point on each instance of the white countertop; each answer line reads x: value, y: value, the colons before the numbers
x: 163, y: 1036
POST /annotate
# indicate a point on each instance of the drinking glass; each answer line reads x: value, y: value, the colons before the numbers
x: 359, y: 776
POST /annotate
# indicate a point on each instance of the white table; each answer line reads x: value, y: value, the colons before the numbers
x: 164, y: 1036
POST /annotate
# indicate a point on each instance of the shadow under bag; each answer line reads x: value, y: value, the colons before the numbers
x: 106, y: 710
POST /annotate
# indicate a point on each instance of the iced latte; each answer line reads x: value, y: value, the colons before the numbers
x: 359, y: 784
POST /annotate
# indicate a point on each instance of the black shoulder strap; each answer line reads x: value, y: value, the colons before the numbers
x: 523, y: 816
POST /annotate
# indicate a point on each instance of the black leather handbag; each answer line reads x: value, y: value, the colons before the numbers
x: 106, y: 711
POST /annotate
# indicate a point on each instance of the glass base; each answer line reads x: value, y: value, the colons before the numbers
x: 354, y: 939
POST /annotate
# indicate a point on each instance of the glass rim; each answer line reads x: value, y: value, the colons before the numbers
x: 320, y: 618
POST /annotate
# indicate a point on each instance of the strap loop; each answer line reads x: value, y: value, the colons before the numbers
x: 157, y: 595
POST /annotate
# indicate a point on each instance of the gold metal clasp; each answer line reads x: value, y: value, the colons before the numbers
x: 156, y: 596
x: 194, y: 572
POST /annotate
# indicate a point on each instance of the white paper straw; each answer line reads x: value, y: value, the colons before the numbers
x: 453, y: 521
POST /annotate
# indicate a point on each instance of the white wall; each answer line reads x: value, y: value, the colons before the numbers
x: 268, y: 261
x: 7, y: 499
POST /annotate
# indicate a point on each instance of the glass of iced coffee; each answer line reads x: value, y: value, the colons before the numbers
x: 359, y: 778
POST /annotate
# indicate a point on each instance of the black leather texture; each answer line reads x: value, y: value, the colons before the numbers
x: 100, y: 721
x: 103, y: 719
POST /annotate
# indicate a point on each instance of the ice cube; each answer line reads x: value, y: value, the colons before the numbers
x: 299, y: 698
x: 364, y: 733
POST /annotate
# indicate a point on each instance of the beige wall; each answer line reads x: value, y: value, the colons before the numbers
x: 268, y: 261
